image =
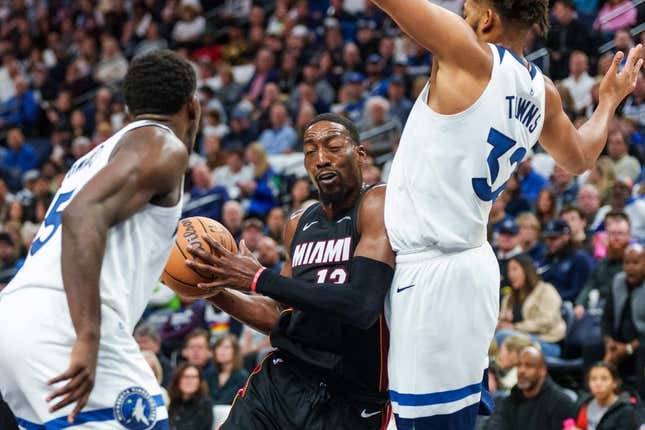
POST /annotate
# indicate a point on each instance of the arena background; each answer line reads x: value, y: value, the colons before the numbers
x: 264, y: 70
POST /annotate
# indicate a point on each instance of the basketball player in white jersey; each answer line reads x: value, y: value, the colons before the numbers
x: 484, y: 107
x: 66, y: 319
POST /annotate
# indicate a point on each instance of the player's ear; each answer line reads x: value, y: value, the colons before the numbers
x: 194, y: 108
x: 487, y: 21
x: 361, y: 153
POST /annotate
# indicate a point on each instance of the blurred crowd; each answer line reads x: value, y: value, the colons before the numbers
x: 572, y: 280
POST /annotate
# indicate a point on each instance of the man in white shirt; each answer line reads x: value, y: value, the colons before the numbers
x: 626, y: 165
x: 579, y: 82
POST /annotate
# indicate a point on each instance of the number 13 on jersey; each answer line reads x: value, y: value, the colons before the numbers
x: 501, y: 145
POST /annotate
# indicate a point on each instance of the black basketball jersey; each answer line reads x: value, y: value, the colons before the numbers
x: 354, y: 359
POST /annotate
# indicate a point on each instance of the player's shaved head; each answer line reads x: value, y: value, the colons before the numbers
x: 352, y: 131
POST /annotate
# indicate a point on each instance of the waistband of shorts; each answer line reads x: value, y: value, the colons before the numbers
x: 429, y: 253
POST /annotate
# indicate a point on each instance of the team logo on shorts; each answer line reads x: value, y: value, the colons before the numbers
x: 135, y: 409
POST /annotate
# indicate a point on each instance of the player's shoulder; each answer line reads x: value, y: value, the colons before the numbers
x: 373, y: 196
x: 156, y: 142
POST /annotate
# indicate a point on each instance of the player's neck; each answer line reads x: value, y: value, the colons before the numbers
x: 171, y: 122
x: 514, y: 45
x: 333, y: 209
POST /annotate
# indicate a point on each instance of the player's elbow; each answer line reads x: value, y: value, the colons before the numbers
x: 367, y: 315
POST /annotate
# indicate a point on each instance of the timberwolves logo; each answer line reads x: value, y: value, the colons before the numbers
x: 135, y: 409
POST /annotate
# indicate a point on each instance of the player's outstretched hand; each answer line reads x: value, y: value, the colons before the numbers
x: 80, y: 377
x: 615, y: 85
x: 227, y: 269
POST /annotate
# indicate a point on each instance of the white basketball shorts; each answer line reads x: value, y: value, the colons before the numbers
x: 36, y: 337
x: 442, y: 310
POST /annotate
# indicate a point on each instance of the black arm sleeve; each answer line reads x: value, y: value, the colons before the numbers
x: 358, y: 303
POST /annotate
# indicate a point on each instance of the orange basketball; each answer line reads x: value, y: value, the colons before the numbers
x: 177, y: 275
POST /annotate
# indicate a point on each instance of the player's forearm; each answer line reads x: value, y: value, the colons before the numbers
x: 592, y: 135
x: 83, y: 246
x: 259, y: 312
x: 358, y: 303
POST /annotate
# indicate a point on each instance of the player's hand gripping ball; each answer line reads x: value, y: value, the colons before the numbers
x: 177, y: 275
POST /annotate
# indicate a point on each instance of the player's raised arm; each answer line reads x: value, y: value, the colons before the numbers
x: 578, y: 150
x: 445, y: 34
x: 358, y: 302
x: 146, y: 166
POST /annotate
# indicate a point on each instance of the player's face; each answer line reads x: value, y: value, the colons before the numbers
x: 332, y: 160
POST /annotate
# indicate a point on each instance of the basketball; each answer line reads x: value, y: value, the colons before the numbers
x: 177, y: 275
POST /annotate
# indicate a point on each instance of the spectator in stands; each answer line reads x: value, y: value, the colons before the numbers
x: 262, y: 190
x: 229, y: 91
x: 602, y: 275
x: 154, y: 364
x: 242, y: 131
x: 504, y: 370
x: 300, y: 193
x: 498, y: 216
x: 190, y: 407
x: 375, y: 84
x: 152, y: 41
x: 626, y: 166
x: 532, y: 308
x: 577, y: 223
x: 234, y: 172
x: 8, y: 72
x: 615, y: 15
x: 276, y: 221
x: 507, y: 245
x: 545, y: 206
x: 377, y: 114
x: 264, y: 72
x: 634, y: 106
x: 20, y: 110
x: 191, y: 25
x: 536, y: 402
x: 515, y: 202
x: 270, y: 95
x: 9, y: 258
x: 579, y: 82
x: 564, y: 266
x: 252, y: 229
x: 531, y: 182
x: 623, y: 320
x: 269, y: 255
x: 400, y: 105
x: 312, y: 75
x: 634, y: 208
x: 281, y: 137
x: 188, y: 317
x: 197, y: 352
x: 113, y: 65
x: 230, y: 375
x: 351, y: 96
x: 19, y: 157
x: 148, y: 340
x: 206, y: 197
x: 232, y: 217
x: 529, y: 236
x: 603, y: 408
x: 564, y: 186
x: 566, y: 35
x: 589, y: 203
x: 603, y: 177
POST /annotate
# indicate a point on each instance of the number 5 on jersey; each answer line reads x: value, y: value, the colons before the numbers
x: 51, y: 223
x: 501, y: 145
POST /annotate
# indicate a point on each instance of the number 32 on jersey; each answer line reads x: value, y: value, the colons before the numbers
x: 501, y: 145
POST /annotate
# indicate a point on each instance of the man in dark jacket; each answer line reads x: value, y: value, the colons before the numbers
x: 623, y: 321
x: 536, y: 402
x: 564, y: 266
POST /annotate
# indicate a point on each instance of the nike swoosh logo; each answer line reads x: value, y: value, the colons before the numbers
x: 365, y: 414
x: 344, y: 218
x: 398, y: 290
x: 309, y: 224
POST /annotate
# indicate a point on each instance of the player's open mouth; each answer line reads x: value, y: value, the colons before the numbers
x: 326, y: 177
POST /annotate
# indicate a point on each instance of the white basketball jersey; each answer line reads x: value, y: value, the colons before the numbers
x: 450, y: 168
x: 136, y: 249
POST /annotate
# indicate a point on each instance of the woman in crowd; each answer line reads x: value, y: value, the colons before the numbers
x: 262, y: 191
x: 190, y: 408
x: 231, y: 376
x: 532, y: 308
x: 545, y: 206
x: 603, y: 408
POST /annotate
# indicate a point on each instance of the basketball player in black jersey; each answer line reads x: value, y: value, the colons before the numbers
x: 324, y: 312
